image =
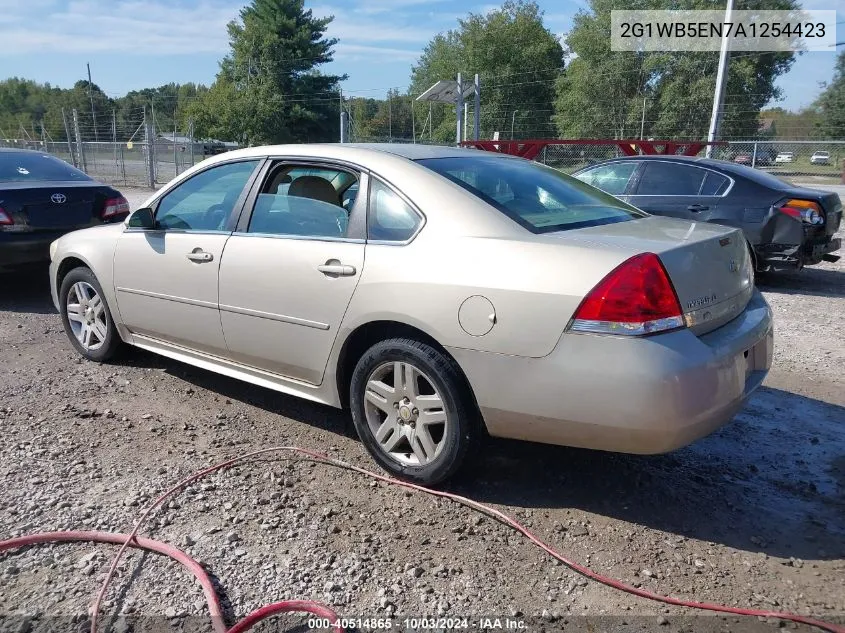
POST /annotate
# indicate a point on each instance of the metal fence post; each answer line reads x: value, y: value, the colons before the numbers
x: 69, y: 141
x: 191, y: 138
x: 754, y: 155
x: 80, y: 147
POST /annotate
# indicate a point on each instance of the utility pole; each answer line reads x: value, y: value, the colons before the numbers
x: 149, y: 141
x: 80, y: 148
x: 459, y: 109
x: 69, y: 143
x: 91, y: 97
x: 342, y: 118
x: 721, y: 80
x: 389, y: 117
x: 642, y: 123
x: 513, y: 117
x: 476, y: 112
x: 413, y: 123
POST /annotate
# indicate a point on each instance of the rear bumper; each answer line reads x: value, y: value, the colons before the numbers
x: 644, y: 395
x: 21, y: 249
x: 774, y: 257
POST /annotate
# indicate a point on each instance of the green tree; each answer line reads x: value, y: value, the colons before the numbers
x: 277, y: 94
x: 831, y: 103
x: 604, y: 93
x: 517, y: 59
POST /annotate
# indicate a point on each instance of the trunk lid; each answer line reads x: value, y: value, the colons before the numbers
x: 56, y: 206
x: 708, y: 264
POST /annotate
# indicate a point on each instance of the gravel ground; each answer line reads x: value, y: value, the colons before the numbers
x: 752, y: 516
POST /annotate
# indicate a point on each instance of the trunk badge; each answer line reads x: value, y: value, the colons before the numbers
x: 58, y: 198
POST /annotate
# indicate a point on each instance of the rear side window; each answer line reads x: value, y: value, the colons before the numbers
x: 304, y: 201
x: 670, y: 179
x: 32, y: 166
x: 612, y: 178
x: 390, y: 218
x: 536, y: 197
x: 714, y: 184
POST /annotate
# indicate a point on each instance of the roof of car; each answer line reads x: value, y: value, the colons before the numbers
x: 354, y: 151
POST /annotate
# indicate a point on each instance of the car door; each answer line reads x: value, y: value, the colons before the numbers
x: 166, y: 278
x: 613, y: 178
x: 679, y: 190
x: 288, y: 272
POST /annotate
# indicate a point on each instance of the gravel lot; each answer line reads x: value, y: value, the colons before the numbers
x: 751, y: 516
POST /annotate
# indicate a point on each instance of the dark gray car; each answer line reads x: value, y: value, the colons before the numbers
x: 787, y: 227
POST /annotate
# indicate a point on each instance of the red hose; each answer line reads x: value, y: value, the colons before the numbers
x: 132, y: 540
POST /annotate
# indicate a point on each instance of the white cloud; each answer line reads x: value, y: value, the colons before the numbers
x: 385, y: 6
x: 374, y: 54
x: 160, y: 28
x: 142, y: 28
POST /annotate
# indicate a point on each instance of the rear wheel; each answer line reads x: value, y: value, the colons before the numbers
x: 86, y: 316
x: 412, y: 410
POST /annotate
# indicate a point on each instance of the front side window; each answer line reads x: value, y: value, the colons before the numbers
x: 612, y: 178
x: 204, y: 202
x: 390, y: 218
x: 305, y: 201
x: 539, y: 198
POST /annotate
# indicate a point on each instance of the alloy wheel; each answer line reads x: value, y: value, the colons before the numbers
x: 405, y: 413
x: 86, y: 314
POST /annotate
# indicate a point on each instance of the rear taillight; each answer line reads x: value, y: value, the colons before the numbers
x: 636, y: 298
x: 805, y: 210
x: 5, y: 218
x: 114, y: 206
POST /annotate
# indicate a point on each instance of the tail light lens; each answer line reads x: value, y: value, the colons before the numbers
x: 5, y: 218
x: 114, y: 207
x: 805, y: 210
x: 634, y: 299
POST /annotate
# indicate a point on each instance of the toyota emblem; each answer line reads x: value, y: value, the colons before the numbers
x: 58, y: 198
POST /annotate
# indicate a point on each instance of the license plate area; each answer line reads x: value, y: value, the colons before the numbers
x: 58, y: 216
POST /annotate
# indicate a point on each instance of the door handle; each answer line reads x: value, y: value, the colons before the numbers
x: 695, y: 208
x: 200, y: 256
x: 336, y: 270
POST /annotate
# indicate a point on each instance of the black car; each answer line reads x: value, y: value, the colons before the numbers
x: 786, y: 227
x: 42, y: 198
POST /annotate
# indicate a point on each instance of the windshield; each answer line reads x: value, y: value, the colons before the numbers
x: 32, y: 167
x: 539, y: 198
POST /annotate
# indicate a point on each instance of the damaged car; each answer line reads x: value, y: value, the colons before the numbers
x: 786, y: 227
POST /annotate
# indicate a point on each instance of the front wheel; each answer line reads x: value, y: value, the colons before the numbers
x: 412, y: 410
x: 86, y: 316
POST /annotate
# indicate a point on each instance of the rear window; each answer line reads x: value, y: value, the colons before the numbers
x: 32, y: 166
x: 539, y: 198
x: 755, y: 175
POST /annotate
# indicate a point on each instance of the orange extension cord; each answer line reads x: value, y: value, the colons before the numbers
x: 306, y: 606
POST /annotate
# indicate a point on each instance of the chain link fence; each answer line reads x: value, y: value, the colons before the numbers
x: 122, y: 163
x: 148, y: 164
x: 143, y: 159
x: 808, y: 162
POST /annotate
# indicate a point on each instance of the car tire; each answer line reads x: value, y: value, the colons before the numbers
x: 399, y: 429
x: 90, y: 327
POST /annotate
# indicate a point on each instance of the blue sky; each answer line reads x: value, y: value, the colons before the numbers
x: 133, y: 44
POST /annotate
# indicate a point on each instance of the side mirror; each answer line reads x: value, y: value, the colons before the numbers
x: 142, y: 219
